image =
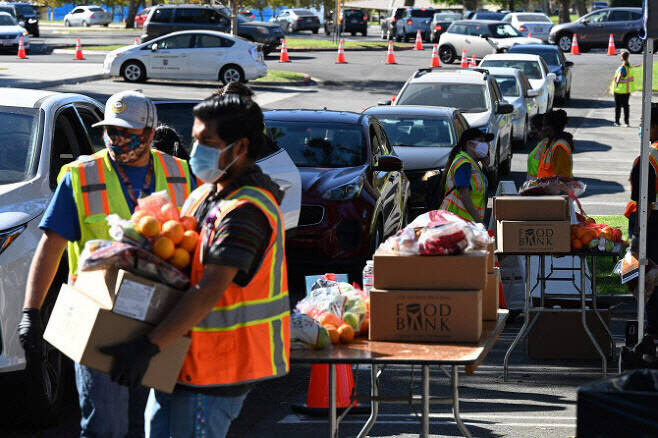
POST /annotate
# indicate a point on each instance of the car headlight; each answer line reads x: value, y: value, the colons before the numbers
x: 430, y: 174
x: 8, y: 236
x: 345, y: 192
x: 262, y: 30
x: 31, y: 20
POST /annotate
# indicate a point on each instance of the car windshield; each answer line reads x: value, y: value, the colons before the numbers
x: 422, y: 13
x: 489, y: 16
x: 503, y: 30
x: 6, y: 20
x: 448, y: 18
x: 530, y: 68
x: 508, y: 86
x: 303, y: 13
x: 25, y: 10
x: 466, y: 97
x: 550, y: 56
x: 320, y: 144
x: 417, y: 131
x: 537, y: 18
x: 96, y: 9
x: 18, y: 143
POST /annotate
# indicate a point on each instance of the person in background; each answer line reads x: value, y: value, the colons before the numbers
x: 536, y: 125
x: 238, y: 88
x: 622, y: 87
x: 556, y: 160
x: 167, y: 140
x: 464, y: 184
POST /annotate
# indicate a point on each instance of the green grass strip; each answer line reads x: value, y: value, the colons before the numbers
x: 608, y: 283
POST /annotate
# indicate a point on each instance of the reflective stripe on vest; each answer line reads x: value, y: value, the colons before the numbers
x: 546, y: 167
x: 535, y: 156
x: 452, y: 201
x: 624, y: 85
x: 92, y: 186
x: 176, y: 177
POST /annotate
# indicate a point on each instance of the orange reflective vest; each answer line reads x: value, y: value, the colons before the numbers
x: 546, y: 167
x: 631, y: 207
x: 246, y: 336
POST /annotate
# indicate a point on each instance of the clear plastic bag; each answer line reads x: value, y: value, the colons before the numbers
x: 159, y: 206
x: 556, y: 185
x: 123, y: 230
x: 306, y: 332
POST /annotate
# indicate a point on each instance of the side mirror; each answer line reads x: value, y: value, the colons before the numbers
x: 551, y: 77
x: 389, y: 163
x: 384, y: 102
x: 569, y: 64
x: 505, y: 108
x: 21, y: 23
x: 585, y: 21
x: 532, y: 93
x: 154, y: 47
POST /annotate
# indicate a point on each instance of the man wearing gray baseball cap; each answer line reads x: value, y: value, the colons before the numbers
x: 89, y: 189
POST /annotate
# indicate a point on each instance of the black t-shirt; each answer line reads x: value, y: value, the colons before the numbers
x: 652, y: 223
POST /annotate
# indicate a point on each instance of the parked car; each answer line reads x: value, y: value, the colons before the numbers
x: 294, y: 20
x: 594, y: 29
x: 479, y: 38
x: 11, y: 33
x: 518, y: 92
x: 354, y: 193
x: 141, y: 17
x: 166, y: 19
x: 477, y: 95
x: 539, y: 25
x: 599, y: 5
x: 557, y: 64
x: 422, y: 136
x: 27, y: 15
x: 388, y: 23
x: 189, y: 55
x: 440, y: 23
x: 248, y: 15
x: 351, y: 20
x: 535, y: 69
x: 86, y: 16
x: 414, y: 20
x: 488, y: 15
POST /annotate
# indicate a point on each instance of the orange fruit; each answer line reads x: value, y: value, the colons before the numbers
x: 346, y: 333
x: 189, y: 241
x: 365, y: 326
x: 576, y: 244
x: 163, y: 247
x: 330, y: 318
x: 180, y: 259
x: 138, y: 215
x: 149, y: 226
x: 189, y: 223
x: 334, y: 336
x: 173, y: 230
x: 169, y: 212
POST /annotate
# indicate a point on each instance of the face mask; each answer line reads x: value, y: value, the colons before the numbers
x: 204, y: 161
x: 124, y: 147
x: 480, y: 149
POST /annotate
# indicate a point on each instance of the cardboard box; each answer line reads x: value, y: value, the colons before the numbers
x: 460, y: 272
x: 79, y: 325
x: 490, y: 297
x: 128, y: 294
x: 531, y: 208
x: 533, y: 237
x: 425, y: 316
x: 491, y: 257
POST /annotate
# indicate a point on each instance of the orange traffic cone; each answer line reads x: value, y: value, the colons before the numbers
x: 390, y: 56
x: 21, y: 49
x: 340, y: 59
x: 136, y: 41
x: 435, y: 56
x: 529, y: 34
x: 501, y: 292
x: 575, y: 50
x: 78, y: 51
x: 611, y: 46
x: 472, y: 64
x: 283, y: 57
x: 419, y: 41
x: 464, y: 63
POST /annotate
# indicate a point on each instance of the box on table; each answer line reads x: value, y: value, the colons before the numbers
x: 128, y: 294
x: 79, y: 325
x: 490, y: 297
x: 466, y: 271
x: 425, y: 315
x: 533, y: 237
x: 532, y: 208
x: 491, y: 257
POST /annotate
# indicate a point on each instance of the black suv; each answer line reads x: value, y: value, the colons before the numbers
x: 351, y: 20
x: 166, y: 19
x: 27, y: 15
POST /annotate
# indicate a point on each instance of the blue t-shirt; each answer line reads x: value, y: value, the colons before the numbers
x: 463, y: 177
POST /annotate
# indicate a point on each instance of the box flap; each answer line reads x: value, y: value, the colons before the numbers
x: 100, y: 285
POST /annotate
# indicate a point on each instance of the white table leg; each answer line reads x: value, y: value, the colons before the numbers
x: 454, y: 386
x: 583, y: 312
x: 374, y: 404
x: 526, y: 319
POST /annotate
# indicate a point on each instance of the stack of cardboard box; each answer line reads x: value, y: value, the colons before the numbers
x: 110, y: 306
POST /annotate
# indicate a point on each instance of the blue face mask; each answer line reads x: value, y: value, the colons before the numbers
x: 204, y: 161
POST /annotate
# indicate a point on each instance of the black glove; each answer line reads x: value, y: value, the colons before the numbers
x: 131, y: 359
x: 30, y: 332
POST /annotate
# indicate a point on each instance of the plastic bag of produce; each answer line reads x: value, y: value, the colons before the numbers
x: 443, y: 240
x: 555, y: 185
x: 305, y: 332
x: 123, y: 230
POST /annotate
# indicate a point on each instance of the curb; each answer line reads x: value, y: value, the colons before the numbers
x: 57, y: 83
x: 364, y: 49
x: 308, y: 81
x: 72, y: 52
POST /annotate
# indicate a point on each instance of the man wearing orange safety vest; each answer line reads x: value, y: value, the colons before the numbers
x: 237, y: 309
x: 91, y: 188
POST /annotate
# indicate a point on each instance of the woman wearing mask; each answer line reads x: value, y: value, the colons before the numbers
x: 464, y: 184
x: 556, y: 157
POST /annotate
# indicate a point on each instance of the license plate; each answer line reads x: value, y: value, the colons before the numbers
x: 354, y: 21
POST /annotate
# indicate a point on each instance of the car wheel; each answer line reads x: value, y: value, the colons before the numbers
x: 67, y: 23
x: 567, y: 96
x: 447, y: 54
x: 364, y: 33
x: 353, y: 33
x: 231, y: 73
x: 634, y: 44
x: 326, y: 31
x: 85, y: 24
x: 36, y: 34
x: 315, y: 31
x: 398, y: 38
x: 133, y: 71
x: 526, y: 127
x: 565, y: 42
x: 106, y: 24
x: 506, y: 165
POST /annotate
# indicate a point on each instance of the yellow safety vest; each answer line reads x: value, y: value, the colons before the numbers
x: 625, y: 85
x: 97, y: 193
x: 534, y: 157
x: 452, y: 201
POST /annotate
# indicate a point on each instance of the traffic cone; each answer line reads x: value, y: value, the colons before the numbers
x: 78, y: 51
x: 529, y: 34
x: 340, y: 59
x: 390, y: 56
x: 21, y: 49
x: 136, y: 41
x: 464, y: 63
x: 574, y: 45
x: 419, y: 41
x: 611, y: 46
x: 472, y: 64
x: 283, y: 57
x: 501, y: 292
x: 435, y: 56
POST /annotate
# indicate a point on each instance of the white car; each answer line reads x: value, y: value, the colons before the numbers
x: 41, y: 131
x: 87, y: 16
x: 518, y: 92
x: 535, y: 23
x: 203, y: 55
x: 535, y: 69
x: 11, y: 33
x: 479, y: 38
